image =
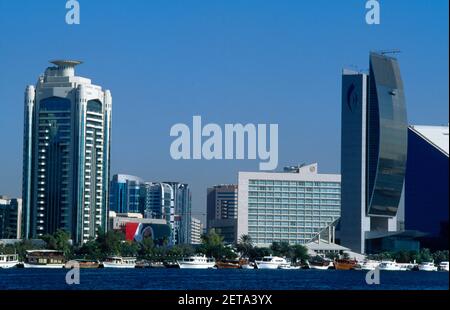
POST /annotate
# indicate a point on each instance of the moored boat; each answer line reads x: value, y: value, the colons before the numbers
x: 319, y: 264
x: 444, y: 266
x: 427, y: 266
x: 9, y: 261
x: 196, y: 262
x: 44, y: 259
x: 367, y: 265
x: 389, y: 266
x: 228, y: 264
x: 88, y: 264
x: 248, y: 265
x: 270, y: 262
x: 288, y: 266
x: 119, y: 262
x: 344, y: 264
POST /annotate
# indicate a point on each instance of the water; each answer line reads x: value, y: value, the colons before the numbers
x: 222, y: 279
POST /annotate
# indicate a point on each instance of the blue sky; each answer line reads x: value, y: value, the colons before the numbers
x: 229, y: 61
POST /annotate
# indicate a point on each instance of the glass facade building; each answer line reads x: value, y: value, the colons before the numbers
x: 373, y: 154
x: 125, y: 194
x: 293, y: 206
x: 66, y: 154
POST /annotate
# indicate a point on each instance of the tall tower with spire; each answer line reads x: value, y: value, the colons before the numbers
x: 66, y: 154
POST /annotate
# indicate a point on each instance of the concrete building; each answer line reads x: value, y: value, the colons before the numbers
x: 426, y: 185
x: 222, y: 202
x: 66, y: 151
x: 294, y: 206
x: 196, y: 231
x: 373, y: 159
x: 10, y: 218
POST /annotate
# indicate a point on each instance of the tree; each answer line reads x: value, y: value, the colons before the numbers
x: 300, y: 253
x: 440, y: 256
x: 245, y: 245
x: 59, y: 241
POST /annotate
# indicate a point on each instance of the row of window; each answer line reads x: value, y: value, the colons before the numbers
x: 295, y: 201
x: 294, y: 189
x: 294, y: 183
x: 292, y: 195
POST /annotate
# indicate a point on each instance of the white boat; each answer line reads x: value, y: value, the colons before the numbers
x: 44, y: 259
x: 367, y: 265
x: 427, y: 266
x: 196, y: 262
x: 407, y: 266
x: 389, y: 266
x: 248, y: 266
x: 270, y: 262
x: 443, y: 266
x: 119, y: 262
x: 288, y: 266
x: 8, y: 261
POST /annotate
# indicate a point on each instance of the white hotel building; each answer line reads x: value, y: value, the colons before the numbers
x: 293, y: 206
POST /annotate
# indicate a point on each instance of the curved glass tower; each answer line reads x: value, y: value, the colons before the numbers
x: 66, y: 154
x: 387, y: 137
x: 373, y: 155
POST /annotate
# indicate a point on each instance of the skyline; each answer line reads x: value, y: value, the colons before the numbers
x: 264, y: 60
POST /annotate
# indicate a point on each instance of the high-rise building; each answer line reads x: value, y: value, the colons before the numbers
x: 66, y: 154
x: 222, y: 202
x: 183, y: 210
x: 294, y: 206
x: 10, y: 218
x: 373, y: 158
x: 196, y: 231
x: 426, y: 185
x: 125, y: 194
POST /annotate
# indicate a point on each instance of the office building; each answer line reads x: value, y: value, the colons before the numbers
x: 426, y: 185
x: 125, y: 194
x: 183, y: 211
x: 10, y: 218
x: 221, y: 211
x: 66, y: 154
x: 293, y: 206
x: 196, y: 231
x: 373, y: 159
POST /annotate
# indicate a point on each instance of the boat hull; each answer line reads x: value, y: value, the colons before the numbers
x: 264, y: 265
x: 51, y: 266
x: 123, y: 266
x: 196, y: 266
x: 8, y: 265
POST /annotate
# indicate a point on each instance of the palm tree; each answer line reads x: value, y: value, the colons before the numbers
x: 245, y: 245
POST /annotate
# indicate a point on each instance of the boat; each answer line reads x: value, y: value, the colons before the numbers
x: 196, y: 262
x: 288, y: 266
x: 389, y: 266
x: 407, y: 266
x: 344, y: 264
x: 169, y: 264
x: 228, y: 264
x: 157, y: 265
x: 367, y: 265
x: 321, y: 264
x: 88, y: 264
x: 248, y: 265
x: 142, y: 264
x: 8, y: 261
x: 443, y: 266
x: 427, y: 266
x: 119, y: 262
x: 44, y: 259
x: 270, y: 262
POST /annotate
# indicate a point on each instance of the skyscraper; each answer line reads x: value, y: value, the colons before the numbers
x: 66, y: 154
x: 10, y: 218
x: 373, y: 157
x: 221, y: 211
x: 125, y: 194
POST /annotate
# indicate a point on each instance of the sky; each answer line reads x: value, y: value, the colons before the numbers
x: 229, y: 61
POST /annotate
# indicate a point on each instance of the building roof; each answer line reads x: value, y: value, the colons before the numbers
x: 435, y: 135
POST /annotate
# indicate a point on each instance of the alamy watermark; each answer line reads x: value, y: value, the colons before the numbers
x: 73, y: 13
x: 373, y: 13
x: 73, y: 275
x: 226, y: 144
x: 373, y: 276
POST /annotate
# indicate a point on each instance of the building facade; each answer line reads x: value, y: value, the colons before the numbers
x: 196, y: 231
x: 294, y: 206
x: 66, y: 154
x: 426, y: 185
x: 222, y: 202
x: 373, y: 156
x: 10, y: 218
x: 183, y: 211
x: 125, y: 193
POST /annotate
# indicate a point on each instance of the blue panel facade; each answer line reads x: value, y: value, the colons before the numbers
x: 426, y: 192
